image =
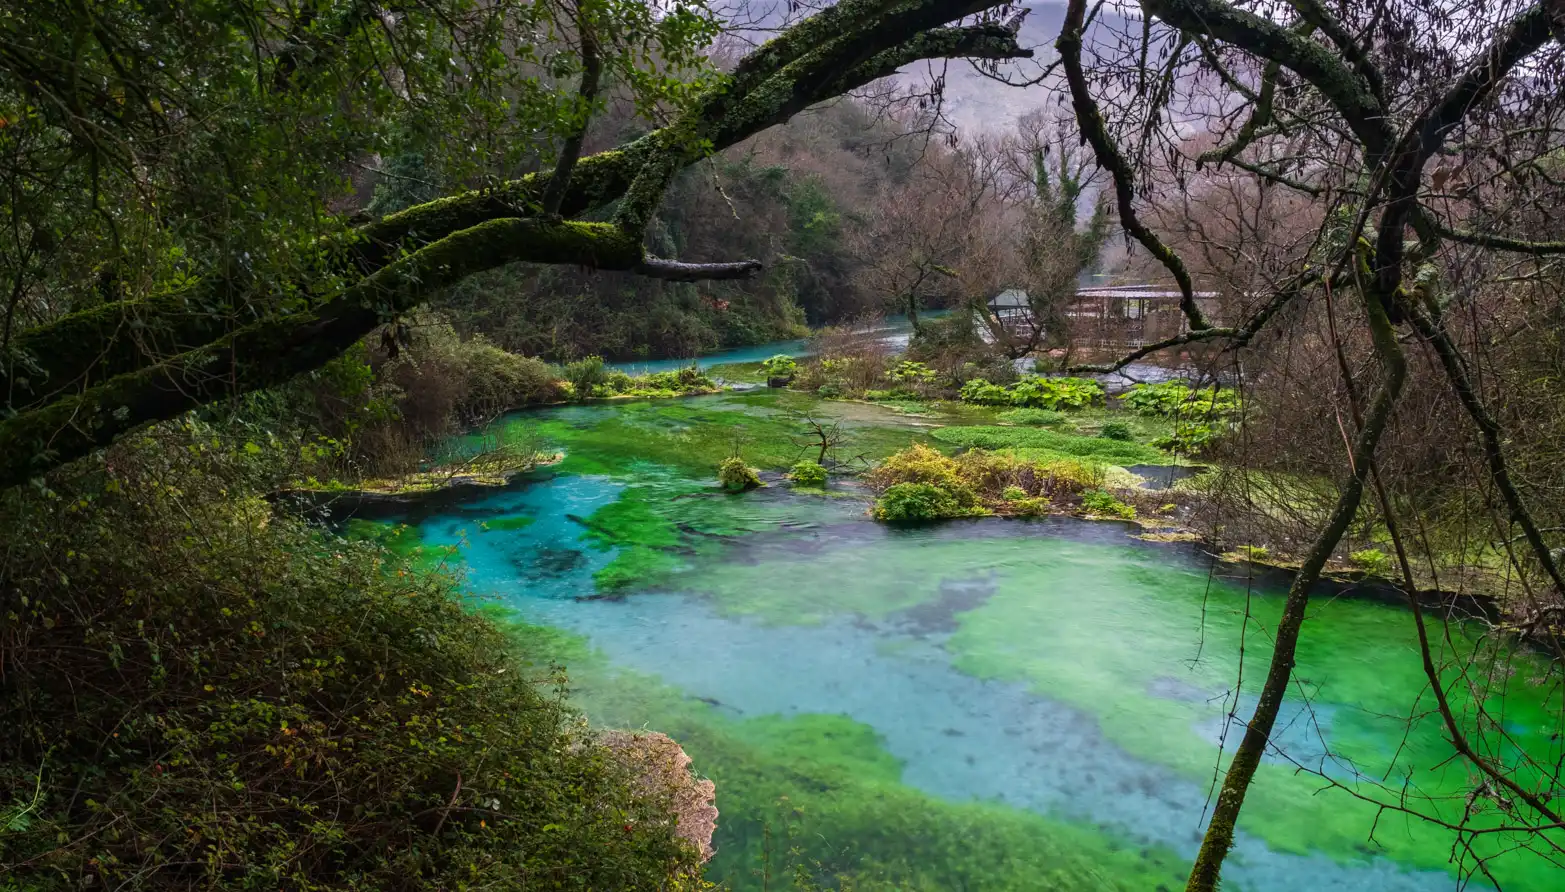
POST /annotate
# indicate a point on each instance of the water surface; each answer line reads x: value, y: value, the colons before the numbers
x: 990, y: 704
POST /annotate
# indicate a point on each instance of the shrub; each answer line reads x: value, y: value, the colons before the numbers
x: 980, y: 392
x: 1035, y: 392
x: 1372, y: 561
x: 1103, y: 504
x: 1033, y: 417
x: 585, y: 375
x: 1013, y: 493
x: 831, y: 390
x: 920, y: 464
x: 618, y: 381
x: 1177, y: 399
x: 1116, y: 430
x: 910, y: 502
x: 808, y: 473
x: 900, y: 393
x: 1056, y: 393
x: 912, y: 374
x: 780, y: 368
x: 1254, y: 552
x: 736, y: 476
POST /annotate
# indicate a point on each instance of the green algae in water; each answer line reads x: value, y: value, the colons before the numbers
x: 991, y: 704
x: 822, y: 792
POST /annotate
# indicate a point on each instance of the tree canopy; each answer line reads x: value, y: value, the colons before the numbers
x: 248, y: 285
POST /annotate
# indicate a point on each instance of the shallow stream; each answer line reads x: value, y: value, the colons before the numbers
x: 989, y: 704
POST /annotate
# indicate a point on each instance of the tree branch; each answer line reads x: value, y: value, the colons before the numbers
x: 676, y: 271
x: 1095, y: 133
x: 1236, y: 782
x: 130, y: 335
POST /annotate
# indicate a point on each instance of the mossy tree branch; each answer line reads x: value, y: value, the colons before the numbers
x: 271, y: 351
x: 97, y: 374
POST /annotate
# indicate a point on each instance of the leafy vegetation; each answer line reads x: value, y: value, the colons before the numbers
x: 808, y: 474
x: 736, y: 476
x: 780, y: 367
x: 1116, y: 430
x: 1041, y: 442
x: 1104, y: 504
x: 1035, y: 392
x: 920, y: 483
x: 202, y: 675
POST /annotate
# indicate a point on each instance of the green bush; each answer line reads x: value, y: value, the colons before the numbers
x: 1056, y: 393
x: 736, y: 476
x: 831, y: 390
x: 912, y: 374
x: 1177, y: 399
x: 909, y: 502
x: 1255, y: 552
x: 1372, y: 561
x: 210, y: 695
x: 585, y: 375
x: 780, y: 366
x: 808, y: 473
x: 1103, y: 504
x: 980, y: 392
x: 1035, y: 392
x: 1116, y: 430
x: 1013, y: 493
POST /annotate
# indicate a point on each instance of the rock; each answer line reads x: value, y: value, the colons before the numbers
x: 665, y: 772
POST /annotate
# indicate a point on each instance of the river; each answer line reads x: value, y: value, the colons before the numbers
x: 990, y: 704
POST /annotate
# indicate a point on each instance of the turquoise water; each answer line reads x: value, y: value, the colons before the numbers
x: 1052, y: 683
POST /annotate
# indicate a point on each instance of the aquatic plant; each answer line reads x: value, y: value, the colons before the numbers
x: 1056, y: 393
x: 1035, y: 392
x: 736, y: 476
x: 1188, y: 438
x: 980, y: 392
x: 1034, y: 417
x: 1038, y: 442
x: 1116, y: 430
x: 808, y: 473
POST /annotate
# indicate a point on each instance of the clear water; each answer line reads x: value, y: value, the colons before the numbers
x: 989, y: 704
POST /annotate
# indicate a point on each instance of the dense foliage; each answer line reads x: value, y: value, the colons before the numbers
x: 921, y: 483
x: 736, y: 476
x: 1035, y: 392
x: 201, y: 694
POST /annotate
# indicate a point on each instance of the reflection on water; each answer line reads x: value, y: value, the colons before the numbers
x: 1055, y: 666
